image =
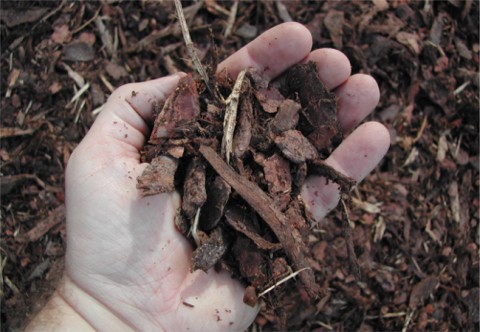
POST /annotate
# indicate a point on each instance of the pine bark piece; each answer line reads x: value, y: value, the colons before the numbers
x: 209, y: 252
x: 322, y: 136
x: 218, y: 194
x: 251, y: 263
x: 181, y: 109
x: 289, y: 237
x: 422, y: 290
x: 320, y: 105
x: 268, y: 96
x: 279, y: 179
x: 158, y: 177
x: 194, y: 191
x: 295, y: 146
x: 236, y: 220
x: 286, y: 117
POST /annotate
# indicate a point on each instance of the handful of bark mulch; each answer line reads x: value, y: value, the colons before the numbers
x: 239, y: 164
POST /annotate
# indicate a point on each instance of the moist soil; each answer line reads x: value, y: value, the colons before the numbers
x: 415, y: 217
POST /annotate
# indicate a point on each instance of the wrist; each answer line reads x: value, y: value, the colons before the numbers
x: 58, y: 315
x: 72, y: 309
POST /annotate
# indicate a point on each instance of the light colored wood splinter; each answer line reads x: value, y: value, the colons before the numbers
x: 230, y: 119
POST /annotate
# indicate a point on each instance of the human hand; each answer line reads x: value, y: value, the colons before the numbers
x: 126, y: 264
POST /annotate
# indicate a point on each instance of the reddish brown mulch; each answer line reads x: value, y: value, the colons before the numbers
x: 416, y: 216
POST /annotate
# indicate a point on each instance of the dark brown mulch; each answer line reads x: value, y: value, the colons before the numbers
x: 416, y: 216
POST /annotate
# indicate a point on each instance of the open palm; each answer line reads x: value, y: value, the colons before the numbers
x: 124, y: 252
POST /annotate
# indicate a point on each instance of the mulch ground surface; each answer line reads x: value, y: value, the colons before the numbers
x: 416, y: 231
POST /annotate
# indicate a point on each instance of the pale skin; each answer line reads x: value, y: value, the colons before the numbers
x: 127, y: 267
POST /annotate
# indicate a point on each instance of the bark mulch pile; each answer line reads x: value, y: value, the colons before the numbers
x: 411, y: 261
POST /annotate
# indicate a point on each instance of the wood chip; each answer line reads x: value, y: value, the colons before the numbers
x: 158, y: 177
x: 56, y: 217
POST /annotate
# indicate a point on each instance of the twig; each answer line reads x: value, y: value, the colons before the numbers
x: 12, y: 132
x: 105, y: 36
x: 461, y: 88
x: 325, y: 325
x: 283, y: 12
x: 78, y: 94
x: 231, y: 19
x: 422, y: 129
x: 80, y: 28
x: 407, y: 321
x: 107, y: 83
x: 77, y: 116
x: 347, y: 231
x: 281, y: 281
x: 43, y: 226
x: 190, y: 48
x: 230, y: 119
x: 389, y: 315
x: 11, y: 285
x: 97, y: 110
x: 218, y: 8
x: 78, y: 79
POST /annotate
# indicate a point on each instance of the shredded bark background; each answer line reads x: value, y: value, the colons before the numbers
x: 416, y: 215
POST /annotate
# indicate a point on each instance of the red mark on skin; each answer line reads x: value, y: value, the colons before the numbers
x: 231, y: 323
x: 316, y: 193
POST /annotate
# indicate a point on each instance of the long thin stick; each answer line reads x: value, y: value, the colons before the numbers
x: 347, y: 232
x: 278, y: 283
x: 190, y: 48
x: 285, y: 232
